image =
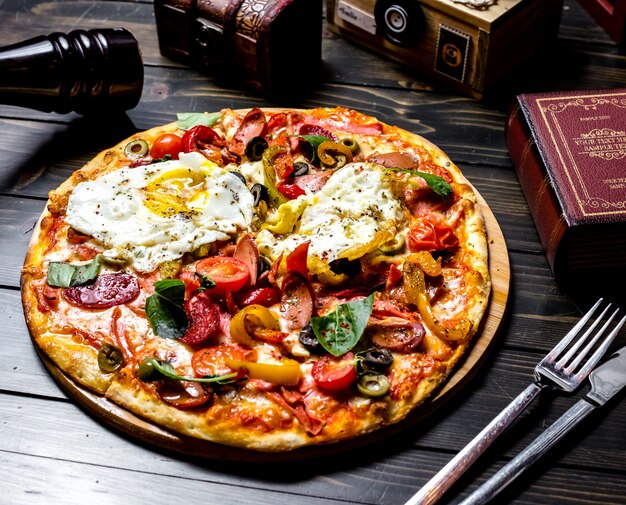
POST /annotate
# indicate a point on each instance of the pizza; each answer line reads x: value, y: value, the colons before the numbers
x: 265, y: 279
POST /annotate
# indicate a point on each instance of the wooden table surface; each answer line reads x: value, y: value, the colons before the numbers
x: 52, y: 451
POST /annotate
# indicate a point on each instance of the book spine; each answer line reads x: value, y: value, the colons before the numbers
x: 533, y: 178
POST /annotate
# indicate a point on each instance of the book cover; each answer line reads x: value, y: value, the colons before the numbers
x: 569, y: 152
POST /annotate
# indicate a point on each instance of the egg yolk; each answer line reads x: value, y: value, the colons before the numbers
x: 173, y: 192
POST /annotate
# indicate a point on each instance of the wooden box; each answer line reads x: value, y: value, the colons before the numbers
x: 264, y: 43
x: 465, y: 47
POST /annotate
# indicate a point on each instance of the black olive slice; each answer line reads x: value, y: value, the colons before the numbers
x: 260, y: 194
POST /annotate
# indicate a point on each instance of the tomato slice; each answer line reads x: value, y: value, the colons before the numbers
x: 228, y: 274
x: 168, y: 143
x: 426, y: 236
x: 335, y: 373
x: 212, y: 360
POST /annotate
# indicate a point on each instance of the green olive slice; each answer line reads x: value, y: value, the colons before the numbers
x: 351, y: 144
x: 138, y: 148
x: 110, y: 358
x: 373, y: 384
x: 147, y: 371
x: 333, y: 154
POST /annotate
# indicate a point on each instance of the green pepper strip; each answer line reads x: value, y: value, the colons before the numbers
x: 276, y: 197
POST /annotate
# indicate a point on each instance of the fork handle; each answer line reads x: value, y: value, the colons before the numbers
x: 448, y: 475
x: 530, y: 455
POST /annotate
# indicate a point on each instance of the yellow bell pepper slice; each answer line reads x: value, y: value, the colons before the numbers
x: 286, y: 373
x: 276, y: 197
x: 286, y: 216
x: 252, y: 315
x: 415, y: 289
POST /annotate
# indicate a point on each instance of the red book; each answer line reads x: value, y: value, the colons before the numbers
x: 569, y: 152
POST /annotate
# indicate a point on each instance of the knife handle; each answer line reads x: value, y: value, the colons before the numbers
x: 530, y: 454
x: 448, y: 475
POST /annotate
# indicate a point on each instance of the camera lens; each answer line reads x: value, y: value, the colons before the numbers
x: 401, y: 22
x: 396, y: 18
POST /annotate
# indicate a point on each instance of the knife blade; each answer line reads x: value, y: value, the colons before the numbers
x: 607, y: 380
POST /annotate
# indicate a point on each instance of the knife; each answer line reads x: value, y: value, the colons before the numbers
x: 606, y: 381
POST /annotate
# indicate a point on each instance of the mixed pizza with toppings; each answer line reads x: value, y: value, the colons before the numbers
x: 266, y: 279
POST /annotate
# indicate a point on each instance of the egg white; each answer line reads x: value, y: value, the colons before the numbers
x: 355, y: 204
x: 150, y: 214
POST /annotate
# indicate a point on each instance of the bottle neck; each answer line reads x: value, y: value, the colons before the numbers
x: 83, y: 71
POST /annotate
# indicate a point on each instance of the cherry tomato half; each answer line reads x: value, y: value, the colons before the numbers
x: 228, y: 274
x: 212, y: 360
x: 168, y: 143
x: 335, y: 373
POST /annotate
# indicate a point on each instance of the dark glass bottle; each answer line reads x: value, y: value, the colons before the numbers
x: 82, y: 71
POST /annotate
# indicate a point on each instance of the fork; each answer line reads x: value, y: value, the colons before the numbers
x: 558, y: 370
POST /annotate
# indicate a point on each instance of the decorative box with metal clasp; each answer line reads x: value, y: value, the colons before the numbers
x: 467, y: 44
x: 273, y: 46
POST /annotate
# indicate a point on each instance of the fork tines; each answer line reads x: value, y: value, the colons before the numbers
x: 572, y: 359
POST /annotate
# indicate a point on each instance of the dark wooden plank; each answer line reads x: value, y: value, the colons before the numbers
x: 578, y: 25
x: 25, y: 372
x: 29, y: 480
x: 18, y: 216
x: 377, y: 475
x: 465, y: 129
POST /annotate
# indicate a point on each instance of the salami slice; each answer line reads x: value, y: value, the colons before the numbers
x: 106, y: 291
x: 204, y: 319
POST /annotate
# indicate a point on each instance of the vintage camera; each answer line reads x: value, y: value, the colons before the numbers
x: 274, y: 46
x: 466, y: 44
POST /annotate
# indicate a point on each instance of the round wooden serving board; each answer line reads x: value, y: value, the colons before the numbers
x: 141, y: 429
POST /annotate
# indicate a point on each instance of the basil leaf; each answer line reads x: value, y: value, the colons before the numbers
x: 205, y: 282
x: 315, y: 140
x: 164, y: 309
x: 187, y: 120
x: 65, y: 275
x: 166, y: 369
x: 341, y: 330
x: 436, y: 183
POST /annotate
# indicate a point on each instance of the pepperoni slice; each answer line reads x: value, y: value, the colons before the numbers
x: 252, y: 125
x: 394, y: 160
x: 204, y: 319
x: 401, y: 336
x: 183, y: 394
x: 311, y: 129
x: 106, y: 291
x: 248, y: 252
x: 260, y: 296
x: 296, y: 303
